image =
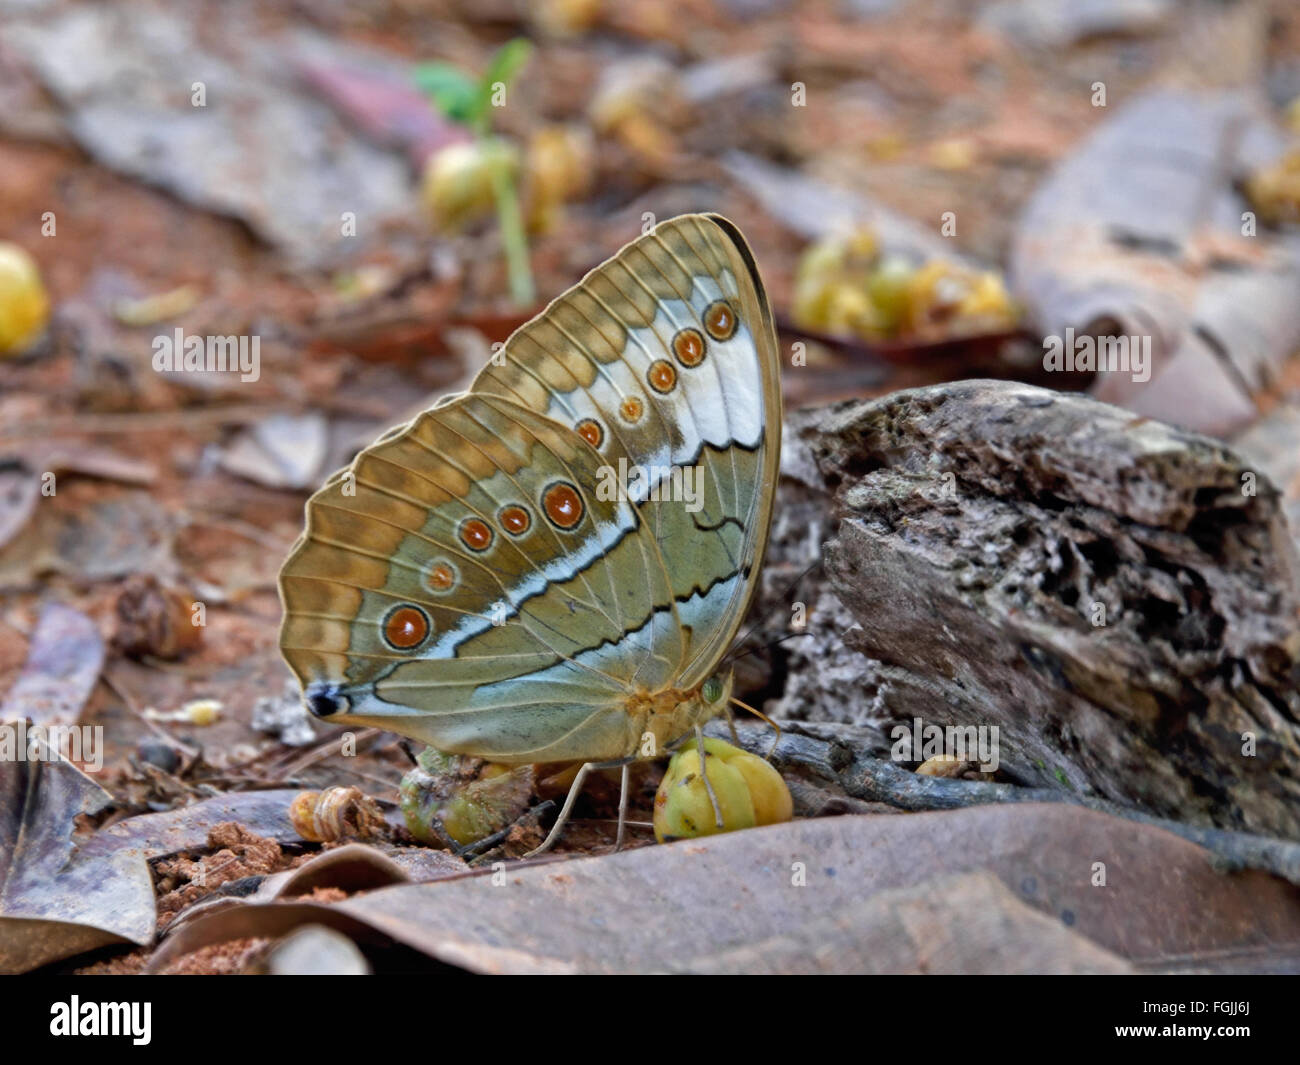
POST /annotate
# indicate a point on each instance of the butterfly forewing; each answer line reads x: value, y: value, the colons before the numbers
x: 597, y: 355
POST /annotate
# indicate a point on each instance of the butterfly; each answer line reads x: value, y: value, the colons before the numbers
x: 552, y: 565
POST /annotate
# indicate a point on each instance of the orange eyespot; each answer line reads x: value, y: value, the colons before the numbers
x: 515, y: 520
x: 720, y: 320
x: 631, y: 409
x: 688, y: 346
x: 406, y: 627
x: 563, y: 504
x: 475, y: 534
x: 589, y: 429
x: 442, y: 578
x: 661, y: 375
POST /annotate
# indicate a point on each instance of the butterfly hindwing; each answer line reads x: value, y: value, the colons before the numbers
x: 500, y: 575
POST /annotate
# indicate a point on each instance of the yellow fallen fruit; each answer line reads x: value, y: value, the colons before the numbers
x: 457, y: 184
x: 683, y: 808
x: 933, y: 292
x: 887, y: 286
x: 772, y: 801
x: 848, y: 309
x: 558, y: 168
x: 1274, y: 190
x: 24, y: 304
x: 941, y: 765
x: 987, y: 302
x: 749, y: 793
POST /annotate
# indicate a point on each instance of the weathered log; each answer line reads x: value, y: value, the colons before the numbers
x: 813, y: 754
x: 1118, y: 597
x: 1272, y: 445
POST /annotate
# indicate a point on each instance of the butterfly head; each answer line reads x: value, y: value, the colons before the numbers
x: 714, y: 695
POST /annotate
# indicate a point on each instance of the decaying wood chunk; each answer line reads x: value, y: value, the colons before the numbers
x: 1120, y: 598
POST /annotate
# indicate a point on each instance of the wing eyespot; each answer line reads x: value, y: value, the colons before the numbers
x: 563, y: 505
x: 688, y: 346
x: 720, y: 320
x: 406, y: 627
x: 476, y: 534
x: 442, y: 576
x: 591, y: 431
x: 661, y: 376
x: 515, y: 519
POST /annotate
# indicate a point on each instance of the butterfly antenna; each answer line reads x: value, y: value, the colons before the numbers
x: 759, y: 713
x: 738, y: 654
x: 785, y: 594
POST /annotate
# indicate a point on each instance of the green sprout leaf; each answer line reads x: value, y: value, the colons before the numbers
x: 506, y: 63
x: 469, y: 102
x: 453, y: 92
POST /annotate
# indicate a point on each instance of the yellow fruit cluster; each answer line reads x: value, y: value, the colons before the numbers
x: 557, y: 170
x: 457, y: 184
x: 1274, y: 190
x: 749, y: 792
x: 847, y: 286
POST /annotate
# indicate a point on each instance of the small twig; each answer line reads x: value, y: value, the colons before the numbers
x: 115, y: 685
x: 476, y: 852
x: 321, y: 749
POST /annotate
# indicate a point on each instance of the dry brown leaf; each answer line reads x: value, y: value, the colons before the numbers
x: 56, y: 901
x: 352, y: 867
x: 959, y: 924
x: 62, y: 668
x: 733, y: 902
x: 265, y: 813
x: 19, y: 490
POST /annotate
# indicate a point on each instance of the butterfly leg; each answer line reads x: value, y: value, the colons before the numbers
x: 565, y: 810
x: 731, y: 724
x: 622, y: 807
x: 574, y: 789
x: 704, y: 772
